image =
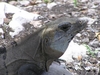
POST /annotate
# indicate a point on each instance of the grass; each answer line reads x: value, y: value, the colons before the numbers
x: 90, y: 51
x: 75, y: 2
x: 46, y: 1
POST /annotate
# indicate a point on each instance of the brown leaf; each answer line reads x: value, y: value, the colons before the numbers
x: 97, y: 35
x: 79, y: 58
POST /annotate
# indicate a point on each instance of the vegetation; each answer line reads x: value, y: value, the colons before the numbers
x: 90, y: 51
x: 46, y: 1
x: 75, y: 2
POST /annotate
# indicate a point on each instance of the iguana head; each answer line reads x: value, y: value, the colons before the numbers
x: 57, y: 35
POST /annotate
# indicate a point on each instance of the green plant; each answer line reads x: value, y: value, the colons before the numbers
x: 46, y: 1
x: 89, y: 50
x: 75, y: 2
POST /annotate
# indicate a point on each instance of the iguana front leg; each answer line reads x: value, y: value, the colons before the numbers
x: 29, y: 69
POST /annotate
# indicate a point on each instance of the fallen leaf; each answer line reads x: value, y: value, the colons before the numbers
x: 79, y: 58
x: 97, y: 35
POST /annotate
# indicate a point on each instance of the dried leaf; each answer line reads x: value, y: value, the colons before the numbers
x: 97, y: 35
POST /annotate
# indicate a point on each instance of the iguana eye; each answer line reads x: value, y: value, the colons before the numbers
x: 64, y: 26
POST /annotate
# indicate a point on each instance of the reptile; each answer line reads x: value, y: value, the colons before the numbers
x: 35, y: 53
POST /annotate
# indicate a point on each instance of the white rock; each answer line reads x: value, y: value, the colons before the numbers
x: 77, y: 67
x: 97, y: 1
x: 50, y: 5
x: 38, y: 1
x: 24, y: 2
x: 98, y: 54
x: 84, y: 0
x: 6, y: 8
x: 94, y: 6
x: 90, y: 20
x: 10, y: 8
x: 79, y: 35
x: 42, y: 5
x: 17, y: 27
x: 2, y: 13
x: 19, y: 18
x: 98, y: 62
x: 74, y: 50
x: 88, y: 67
x: 1, y: 31
x: 91, y: 12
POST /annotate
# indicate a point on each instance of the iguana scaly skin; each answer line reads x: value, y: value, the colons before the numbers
x: 37, y: 51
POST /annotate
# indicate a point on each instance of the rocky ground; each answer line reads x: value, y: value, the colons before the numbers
x: 89, y: 37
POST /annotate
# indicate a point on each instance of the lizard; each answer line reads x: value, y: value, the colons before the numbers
x: 35, y: 53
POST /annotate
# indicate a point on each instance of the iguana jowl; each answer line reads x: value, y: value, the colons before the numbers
x: 37, y: 51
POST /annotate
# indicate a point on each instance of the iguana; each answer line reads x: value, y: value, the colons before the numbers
x: 35, y: 53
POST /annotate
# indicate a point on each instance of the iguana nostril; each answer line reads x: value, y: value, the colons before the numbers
x: 64, y: 26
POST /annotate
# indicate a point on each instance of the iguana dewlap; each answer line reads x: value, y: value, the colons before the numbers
x: 37, y: 51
